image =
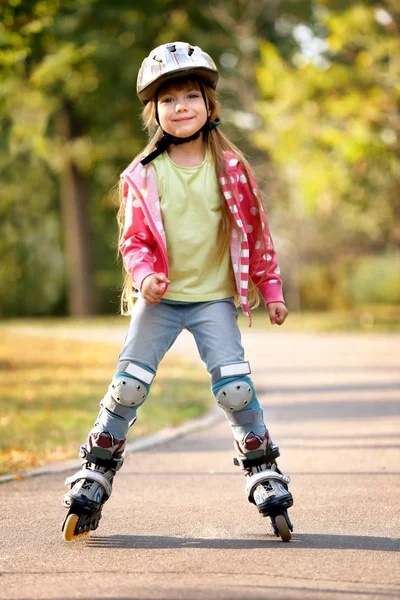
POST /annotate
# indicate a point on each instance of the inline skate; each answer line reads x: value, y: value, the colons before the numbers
x: 266, y: 486
x: 91, y: 487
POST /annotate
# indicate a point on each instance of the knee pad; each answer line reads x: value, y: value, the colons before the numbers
x: 237, y: 397
x: 235, y: 394
x: 232, y: 388
x: 129, y: 388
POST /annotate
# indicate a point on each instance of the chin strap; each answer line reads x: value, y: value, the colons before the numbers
x: 168, y: 139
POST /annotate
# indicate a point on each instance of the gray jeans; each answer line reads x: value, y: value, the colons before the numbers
x: 153, y: 330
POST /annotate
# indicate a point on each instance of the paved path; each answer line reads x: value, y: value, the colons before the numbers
x: 179, y: 526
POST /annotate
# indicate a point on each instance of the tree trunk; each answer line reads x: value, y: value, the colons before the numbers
x: 82, y: 297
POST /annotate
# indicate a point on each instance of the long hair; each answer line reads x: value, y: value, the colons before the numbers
x: 217, y: 144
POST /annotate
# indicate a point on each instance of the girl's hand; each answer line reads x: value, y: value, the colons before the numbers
x: 153, y: 287
x: 277, y: 312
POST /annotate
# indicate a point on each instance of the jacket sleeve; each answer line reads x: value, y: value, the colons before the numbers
x: 137, y: 242
x: 263, y: 269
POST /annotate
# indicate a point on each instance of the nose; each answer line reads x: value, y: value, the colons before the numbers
x: 180, y: 106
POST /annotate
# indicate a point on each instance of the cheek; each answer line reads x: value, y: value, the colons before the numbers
x: 162, y: 115
x: 203, y: 111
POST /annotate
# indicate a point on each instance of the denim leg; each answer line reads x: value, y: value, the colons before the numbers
x: 217, y: 335
x: 152, y: 331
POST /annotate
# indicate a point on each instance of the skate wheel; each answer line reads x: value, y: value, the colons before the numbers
x: 283, y: 528
x: 69, y: 527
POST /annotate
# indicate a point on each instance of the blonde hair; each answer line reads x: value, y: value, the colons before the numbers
x: 218, y: 144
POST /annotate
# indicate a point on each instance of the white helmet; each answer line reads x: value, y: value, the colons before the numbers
x: 173, y: 60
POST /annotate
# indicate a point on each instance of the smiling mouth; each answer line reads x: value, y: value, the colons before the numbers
x: 183, y: 120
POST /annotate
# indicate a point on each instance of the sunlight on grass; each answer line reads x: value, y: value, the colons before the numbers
x: 50, y: 392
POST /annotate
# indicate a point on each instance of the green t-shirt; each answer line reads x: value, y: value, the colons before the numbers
x: 191, y: 213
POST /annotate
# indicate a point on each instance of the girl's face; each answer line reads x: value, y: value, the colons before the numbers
x: 181, y: 109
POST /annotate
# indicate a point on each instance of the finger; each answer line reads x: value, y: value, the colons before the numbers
x: 157, y: 290
x: 162, y: 277
x: 281, y: 318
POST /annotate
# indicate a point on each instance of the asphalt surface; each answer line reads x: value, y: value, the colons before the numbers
x: 178, y: 524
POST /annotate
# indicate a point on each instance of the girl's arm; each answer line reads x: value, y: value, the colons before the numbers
x: 264, y: 268
x: 137, y: 242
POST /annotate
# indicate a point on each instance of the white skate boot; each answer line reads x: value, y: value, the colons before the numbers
x: 266, y: 486
x: 92, y: 485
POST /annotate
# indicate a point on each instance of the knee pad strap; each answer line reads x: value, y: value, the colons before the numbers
x: 136, y: 371
x: 243, y: 417
x: 235, y: 370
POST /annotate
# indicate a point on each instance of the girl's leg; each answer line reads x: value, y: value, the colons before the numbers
x: 215, y: 329
x: 214, y: 326
x: 153, y: 329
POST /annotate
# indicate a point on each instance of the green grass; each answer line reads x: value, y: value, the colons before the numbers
x: 51, y: 390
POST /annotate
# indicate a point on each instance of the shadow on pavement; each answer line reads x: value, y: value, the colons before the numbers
x: 317, y: 541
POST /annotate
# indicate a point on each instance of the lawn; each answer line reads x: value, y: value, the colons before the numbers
x: 50, y: 391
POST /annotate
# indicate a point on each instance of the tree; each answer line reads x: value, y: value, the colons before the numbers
x: 331, y: 124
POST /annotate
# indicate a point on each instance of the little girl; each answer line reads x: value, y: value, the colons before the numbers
x: 195, y: 244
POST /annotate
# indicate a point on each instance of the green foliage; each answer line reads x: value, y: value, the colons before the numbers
x: 377, y: 280
x: 327, y: 122
x: 331, y: 124
x: 344, y: 284
x: 325, y: 287
x: 31, y: 260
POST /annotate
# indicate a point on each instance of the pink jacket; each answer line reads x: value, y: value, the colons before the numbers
x: 143, y: 244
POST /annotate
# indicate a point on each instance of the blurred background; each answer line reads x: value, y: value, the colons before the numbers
x: 310, y: 91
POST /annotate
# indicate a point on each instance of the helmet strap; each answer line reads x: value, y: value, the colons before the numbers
x: 169, y: 139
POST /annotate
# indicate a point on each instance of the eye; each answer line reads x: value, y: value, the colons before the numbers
x: 193, y: 95
x: 166, y: 100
